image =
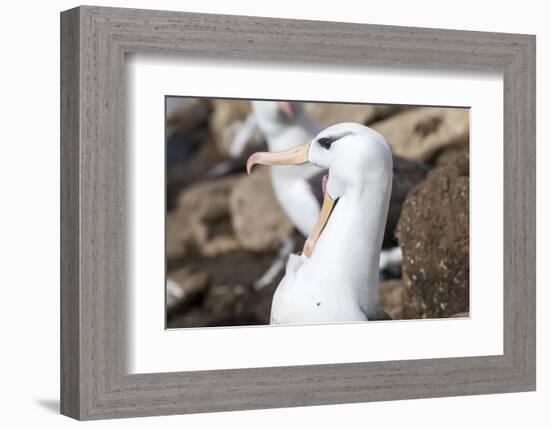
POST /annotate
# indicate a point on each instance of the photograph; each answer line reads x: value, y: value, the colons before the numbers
x: 292, y: 212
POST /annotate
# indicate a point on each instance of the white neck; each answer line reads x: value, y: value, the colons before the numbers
x: 351, y: 242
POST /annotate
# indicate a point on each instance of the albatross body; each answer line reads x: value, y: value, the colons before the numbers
x: 336, y: 277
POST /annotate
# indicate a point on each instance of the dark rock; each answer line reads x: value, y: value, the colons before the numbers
x: 230, y: 299
x: 460, y: 315
x: 193, y: 168
x: 397, y: 300
x: 192, y: 114
x: 407, y: 175
x: 201, y: 220
x: 186, y: 131
x: 451, y: 154
x: 185, y: 286
x: 433, y: 232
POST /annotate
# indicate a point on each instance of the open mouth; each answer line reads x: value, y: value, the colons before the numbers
x: 297, y: 156
x: 326, y: 210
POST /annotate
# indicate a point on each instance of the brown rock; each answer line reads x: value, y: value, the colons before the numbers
x: 201, y: 220
x: 227, y: 119
x: 451, y: 154
x: 330, y: 114
x: 397, y: 301
x: 433, y: 232
x: 258, y: 221
x: 420, y: 133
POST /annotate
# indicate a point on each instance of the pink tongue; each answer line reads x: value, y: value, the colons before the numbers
x: 324, y: 184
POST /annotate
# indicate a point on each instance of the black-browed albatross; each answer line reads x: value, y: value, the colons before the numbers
x: 336, y: 277
x: 286, y: 124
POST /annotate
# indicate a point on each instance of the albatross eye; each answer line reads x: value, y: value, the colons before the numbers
x: 325, y: 142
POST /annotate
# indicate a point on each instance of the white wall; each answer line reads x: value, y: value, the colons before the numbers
x: 29, y: 229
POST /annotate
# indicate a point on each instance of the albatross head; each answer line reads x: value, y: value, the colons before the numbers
x: 355, y: 156
x: 272, y: 116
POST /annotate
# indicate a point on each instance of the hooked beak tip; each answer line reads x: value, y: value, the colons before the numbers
x: 293, y: 156
x: 250, y: 163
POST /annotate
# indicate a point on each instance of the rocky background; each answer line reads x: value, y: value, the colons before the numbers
x: 224, y: 230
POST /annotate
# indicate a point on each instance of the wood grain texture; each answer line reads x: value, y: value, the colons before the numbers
x: 94, y: 382
x: 70, y: 292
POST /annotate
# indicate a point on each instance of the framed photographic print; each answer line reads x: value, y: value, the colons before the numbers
x: 262, y: 213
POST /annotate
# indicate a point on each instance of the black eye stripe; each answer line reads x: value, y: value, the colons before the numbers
x: 327, y: 141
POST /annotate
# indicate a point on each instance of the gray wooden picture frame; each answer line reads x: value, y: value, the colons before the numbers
x: 94, y: 41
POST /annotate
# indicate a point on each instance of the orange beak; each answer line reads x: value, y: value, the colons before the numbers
x: 294, y: 156
x: 326, y: 210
